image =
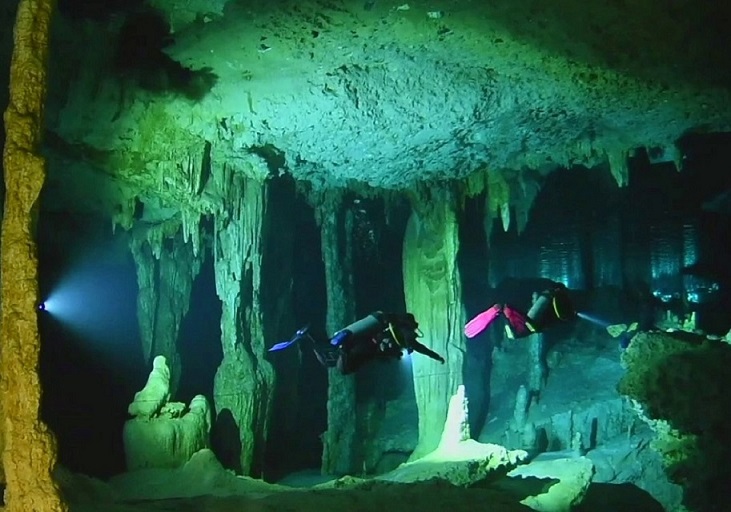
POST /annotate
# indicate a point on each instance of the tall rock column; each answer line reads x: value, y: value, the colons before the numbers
x: 244, y: 382
x: 340, y: 454
x: 166, y: 270
x: 433, y: 295
x: 29, y: 450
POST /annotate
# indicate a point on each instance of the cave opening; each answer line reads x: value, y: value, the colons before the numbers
x: 199, y: 341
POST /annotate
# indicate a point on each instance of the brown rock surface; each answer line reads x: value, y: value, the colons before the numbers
x: 29, y: 451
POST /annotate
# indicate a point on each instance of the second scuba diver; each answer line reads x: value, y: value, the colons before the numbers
x: 550, y: 306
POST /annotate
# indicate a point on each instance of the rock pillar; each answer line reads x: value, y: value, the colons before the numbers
x: 244, y: 382
x: 340, y: 444
x: 433, y: 295
x: 29, y: 451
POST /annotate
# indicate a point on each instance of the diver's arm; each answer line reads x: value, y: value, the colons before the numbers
x: 423, y: 349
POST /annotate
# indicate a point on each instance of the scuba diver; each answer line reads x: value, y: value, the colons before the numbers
x: 378, y: 336
x: 549, y: 307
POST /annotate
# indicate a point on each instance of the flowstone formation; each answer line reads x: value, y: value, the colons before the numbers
x: 679, y: 384
x: 164, y: 434
x: 28, y: 448
x: 432, y: 291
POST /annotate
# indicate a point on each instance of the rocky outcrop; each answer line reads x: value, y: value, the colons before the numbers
x: 164, y: 434
x: 29, y: 451
x: 679, y: 386
x: 432, y: 290
x: 341, y: 454
x: 165, y: 280
x: 574, y: 475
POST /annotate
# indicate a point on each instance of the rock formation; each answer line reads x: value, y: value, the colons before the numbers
x: 340, y: 444
x: 244, y: 381
x: 164, y: 434
x: 165, y: 279
x: 29, y: 451
x: 680, y: 387
x: 432, y: 290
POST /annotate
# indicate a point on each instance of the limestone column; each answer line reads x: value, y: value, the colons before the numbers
x: 244, y: 382
x: 340, y: 454
x: 29, y: 451
x: 433, y: 295
x: 166, y: 269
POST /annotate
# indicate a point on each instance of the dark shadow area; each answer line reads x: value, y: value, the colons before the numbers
x: 199, y: 341
x: 226, y: 441
x: 96, y: 9
x: 310, y: 304
x: 521, y: 488
x: 140, y: 58
x: 659, y: 41
x: 615, y: 497
x: 91, y: 359
x: 473, y: 262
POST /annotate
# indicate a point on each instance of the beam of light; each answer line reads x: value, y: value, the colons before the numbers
x: 97, y: 303
x: 595, y: 320
x: 405, y: 362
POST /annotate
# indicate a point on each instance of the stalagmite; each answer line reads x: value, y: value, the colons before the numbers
x: 339, y: 441
x: 244, y: 381
x: 432, y: 290
x: 165, y: 281
x: 29, y: 451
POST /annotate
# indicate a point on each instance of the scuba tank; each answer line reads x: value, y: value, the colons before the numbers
x: 368, y: 326
x: 551, y: 305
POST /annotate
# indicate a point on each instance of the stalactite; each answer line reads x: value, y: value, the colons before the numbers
x: 433, y: 295
x: 618, y: 166
x: 28, y: 447
x: 244, y: 382
x: 498, y: 197
x: 340, y: 448
x: 525, y: 191
x: 166, y: 270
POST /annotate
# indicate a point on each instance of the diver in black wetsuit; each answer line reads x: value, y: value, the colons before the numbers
x: 377, y: 336
x: 549, y: 307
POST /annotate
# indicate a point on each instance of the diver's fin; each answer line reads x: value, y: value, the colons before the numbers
x: 481, y: 321
x: 283, y: 344
x: 297, y: 336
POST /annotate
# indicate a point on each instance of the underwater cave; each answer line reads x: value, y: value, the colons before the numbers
x: 293, y: 255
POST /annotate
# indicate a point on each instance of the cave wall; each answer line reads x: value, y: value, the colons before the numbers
x: 433, y: 295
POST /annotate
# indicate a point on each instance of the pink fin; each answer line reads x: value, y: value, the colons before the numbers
x: 481, y: 321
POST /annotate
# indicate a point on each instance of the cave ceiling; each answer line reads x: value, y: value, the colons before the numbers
x: 371, y: 93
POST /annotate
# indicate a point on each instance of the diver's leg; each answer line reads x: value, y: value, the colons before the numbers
x: 482, y: 321
x: 520, y: 324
